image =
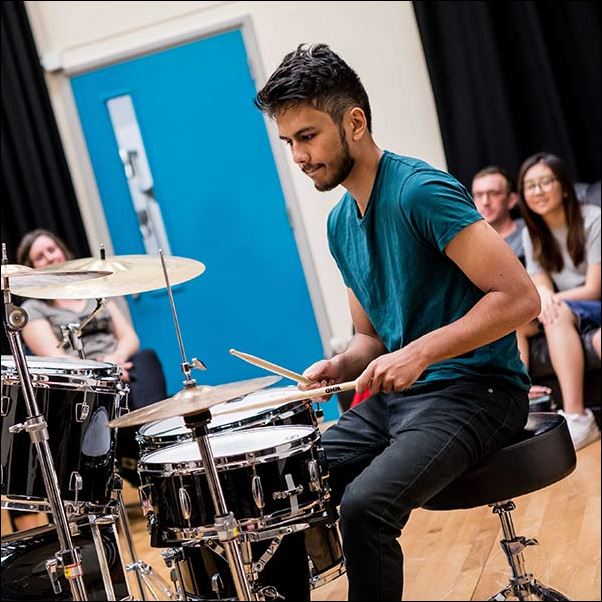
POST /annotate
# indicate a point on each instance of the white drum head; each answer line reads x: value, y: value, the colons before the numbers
x: 234, y: 443
x: 56, y: 365
x: 171, y: 426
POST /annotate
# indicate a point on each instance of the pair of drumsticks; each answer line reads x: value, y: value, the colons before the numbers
x: 257, y: 361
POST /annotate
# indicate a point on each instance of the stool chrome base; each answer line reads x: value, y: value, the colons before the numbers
x: 522, y: 585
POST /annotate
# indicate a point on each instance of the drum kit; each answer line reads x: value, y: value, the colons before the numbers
x: 227, y: 472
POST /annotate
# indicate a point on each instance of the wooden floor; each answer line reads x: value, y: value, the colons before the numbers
x: 456, y: 555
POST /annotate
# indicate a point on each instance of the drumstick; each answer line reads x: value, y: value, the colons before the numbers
x: 256, y: 361
x: 296, y: 396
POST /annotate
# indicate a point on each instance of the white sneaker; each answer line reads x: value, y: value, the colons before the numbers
x: 582, y: 427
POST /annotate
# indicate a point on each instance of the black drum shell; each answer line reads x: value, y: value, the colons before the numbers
x: 160, y: 491
x: 24, y: 555
x: 199, y: 567
x: 86, y: 446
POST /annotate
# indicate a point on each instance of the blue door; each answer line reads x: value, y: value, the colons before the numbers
x: 215, y: 184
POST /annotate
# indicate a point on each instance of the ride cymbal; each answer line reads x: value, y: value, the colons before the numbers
x: 192, y: 401
x: 128, y: 275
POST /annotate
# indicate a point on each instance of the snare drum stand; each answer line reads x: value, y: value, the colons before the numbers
x: 68, y: 557
x: 226, y: 525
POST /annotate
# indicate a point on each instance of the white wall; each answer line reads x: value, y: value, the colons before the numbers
x: 379, y: 40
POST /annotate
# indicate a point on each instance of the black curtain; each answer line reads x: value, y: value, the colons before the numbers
x: 513, y: 78
x: 37, y: 191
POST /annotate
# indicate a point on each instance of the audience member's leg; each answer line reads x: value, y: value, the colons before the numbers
x: 596, y: 342
x: 568, y: 360
x: 522, y: 338
x: 566, y: 355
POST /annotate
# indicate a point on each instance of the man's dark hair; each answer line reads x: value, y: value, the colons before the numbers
x: 314, y: 74
x: 495, y: 169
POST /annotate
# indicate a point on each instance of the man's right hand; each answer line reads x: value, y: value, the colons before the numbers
x: 323, y: 374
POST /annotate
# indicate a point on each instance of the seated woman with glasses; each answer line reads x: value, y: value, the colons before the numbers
x: 562, y: 252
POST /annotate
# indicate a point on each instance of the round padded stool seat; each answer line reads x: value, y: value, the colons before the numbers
x: 541, y: 455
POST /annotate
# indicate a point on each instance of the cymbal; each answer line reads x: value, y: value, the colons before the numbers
x: 23, y: 276
x: 287, y: 397
x: 129, y: 274
x: 192, y: 401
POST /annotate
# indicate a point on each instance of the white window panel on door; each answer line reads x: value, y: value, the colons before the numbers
x: 138, y: 174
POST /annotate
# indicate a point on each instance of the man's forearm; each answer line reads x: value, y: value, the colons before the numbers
x: 362, y: 349
x: 493, y: 317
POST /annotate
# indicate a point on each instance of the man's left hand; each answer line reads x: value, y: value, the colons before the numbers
x: 392, y: 372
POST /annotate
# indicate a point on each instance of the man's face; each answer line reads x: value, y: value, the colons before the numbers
x: 317, y: 144
x: 492, y: 197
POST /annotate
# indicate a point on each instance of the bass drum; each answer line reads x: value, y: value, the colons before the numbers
x: 23, y: 561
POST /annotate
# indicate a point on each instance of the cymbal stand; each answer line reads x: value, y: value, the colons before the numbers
x: 188, y: 382
x: 227, y: 527
x: 72, y: 332
x: 68, y: 557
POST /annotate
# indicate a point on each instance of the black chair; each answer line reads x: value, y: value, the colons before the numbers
x: 542, y: 455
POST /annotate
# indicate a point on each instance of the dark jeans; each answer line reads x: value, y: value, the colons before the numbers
x: 393, y: 452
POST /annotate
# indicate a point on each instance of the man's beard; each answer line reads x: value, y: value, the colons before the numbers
x: 341, y: 167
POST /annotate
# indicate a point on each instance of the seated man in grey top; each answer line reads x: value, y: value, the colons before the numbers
x: 494, y: 196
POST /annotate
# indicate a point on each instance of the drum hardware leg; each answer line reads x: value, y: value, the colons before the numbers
x: 268, y: 554
x: 145, y: 577
x: 102, y: 558
x: 522, y: 584
x: 172, y: 557
x: 227, y: 527
x: 157, y: 586
x: 52, y: 570
x: 15, y: 320
x: 126, y: 532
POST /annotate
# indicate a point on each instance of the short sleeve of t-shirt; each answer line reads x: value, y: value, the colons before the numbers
x: 437, y: 206
x: 531, y: 264
x: 36, y: 310
x: 591, y: 218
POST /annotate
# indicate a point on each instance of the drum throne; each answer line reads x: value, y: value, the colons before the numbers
x: 540, y: 456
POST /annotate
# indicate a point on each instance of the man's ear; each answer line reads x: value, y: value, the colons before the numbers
x: 357, y: 120
x: 513, y: 200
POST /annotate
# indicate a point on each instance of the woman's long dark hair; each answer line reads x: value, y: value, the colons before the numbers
x: 27, y: 242
x: 545, y: 248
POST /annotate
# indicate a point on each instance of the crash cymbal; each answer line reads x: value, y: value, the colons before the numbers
x: 21, y: 276
x: 129, y: 274
x: 192, y: 401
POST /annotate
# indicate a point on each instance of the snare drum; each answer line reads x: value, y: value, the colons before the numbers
x: 77, y: 398
x: 270, y: 476
x: 170, y: 431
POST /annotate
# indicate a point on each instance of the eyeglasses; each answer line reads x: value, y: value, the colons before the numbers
x: 546, y: 184
x: 488, y: 194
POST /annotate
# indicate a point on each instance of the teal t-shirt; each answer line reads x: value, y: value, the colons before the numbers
x: 393, y: 260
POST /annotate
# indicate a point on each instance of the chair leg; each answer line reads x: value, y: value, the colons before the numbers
x: 522, y: 584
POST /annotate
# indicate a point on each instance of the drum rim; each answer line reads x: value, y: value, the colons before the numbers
x: 257, y: 420
x: 269, y: 454
x: 71, y: 376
